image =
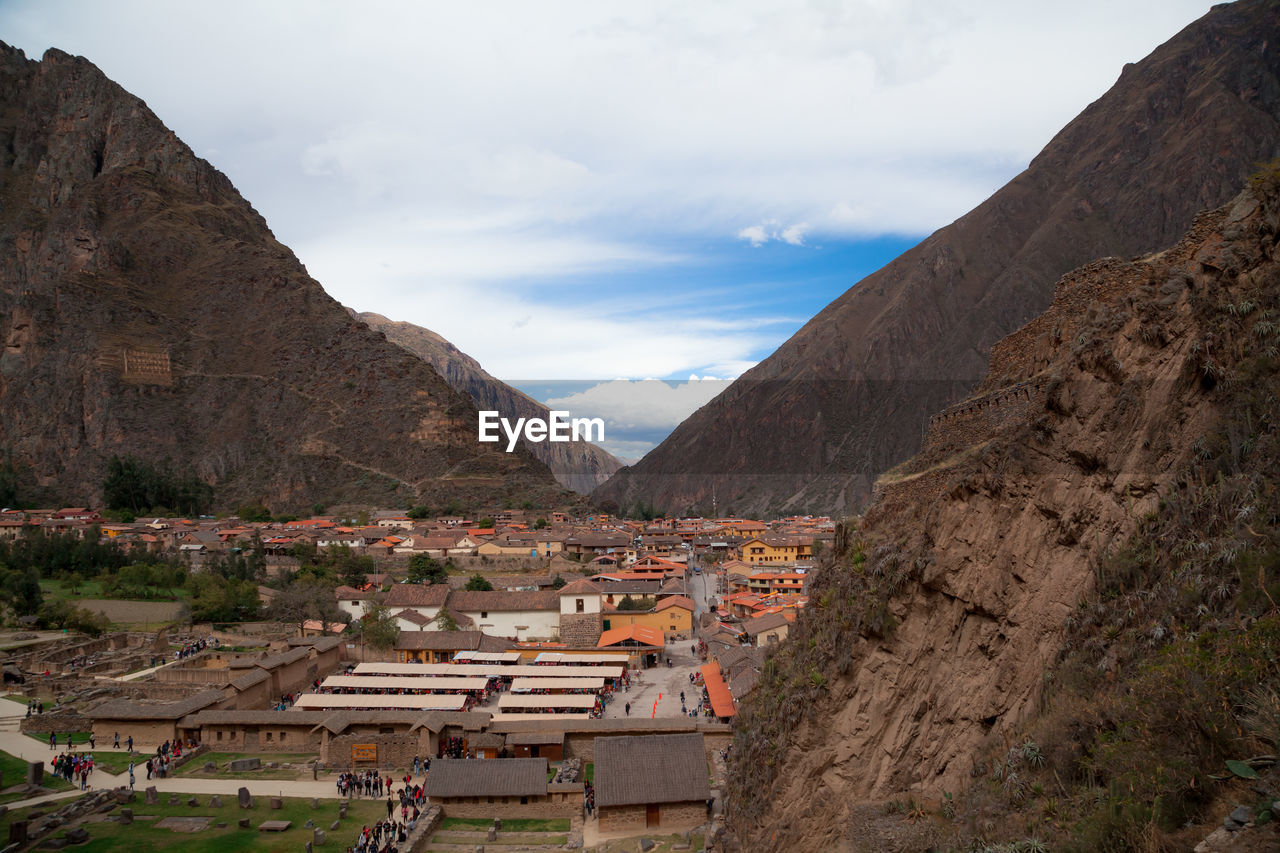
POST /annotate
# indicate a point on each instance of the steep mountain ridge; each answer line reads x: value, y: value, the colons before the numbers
x: 933, y: 636
x: 146, y: 310
x: 850, y: 394
x: 577, y: 465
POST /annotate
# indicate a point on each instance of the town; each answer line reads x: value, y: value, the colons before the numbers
x: 591, y: 659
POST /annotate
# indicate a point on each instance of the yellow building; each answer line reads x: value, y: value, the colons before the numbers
x: 673, y: 616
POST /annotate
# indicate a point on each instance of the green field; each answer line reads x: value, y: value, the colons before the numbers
x: 13, y: 771
x: 143, y: 837
x: 195, y: 767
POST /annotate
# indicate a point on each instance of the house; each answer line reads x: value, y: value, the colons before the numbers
x: 502, y: 787
x: 354, y: 602
x: 718, y: 695
x: 655, y: 783
x: 425, y: 599
x: 443, y: 646
x: 771, y: 628
x: 673, y: 616
x: 581, y: 606
x: 518, y: 615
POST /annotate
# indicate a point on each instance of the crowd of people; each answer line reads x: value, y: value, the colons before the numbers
x: 74, y: 768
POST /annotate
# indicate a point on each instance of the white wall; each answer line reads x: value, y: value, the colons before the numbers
x: 537, y: 624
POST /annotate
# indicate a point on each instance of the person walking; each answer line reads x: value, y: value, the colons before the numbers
x: 116, y: 744
x: 130, y: 775
x: 53, y: 740
x: 627, y: 708
x: 130, y: 743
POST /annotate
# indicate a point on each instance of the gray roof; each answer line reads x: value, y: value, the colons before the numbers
x: 120, y: 709
x: 490, y: 777
x: 652, y: 769
x: 450, y: 641
x: 530, y: 738
x: 232, y: 716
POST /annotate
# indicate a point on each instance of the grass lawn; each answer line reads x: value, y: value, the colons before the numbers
x: 469, y: 824
x: 13, y: 770
x: 143, y: 837
x: 93, y: 589
x: 117, y: 762
x: 195, y: 767
x: 14, y: 697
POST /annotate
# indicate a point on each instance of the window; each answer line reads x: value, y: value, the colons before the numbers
x: 219, y: 734
x: 484, y: 614
x: 524, y: 801
x: 268, y: 737
x: 282, y: 736
x: 582, y: 606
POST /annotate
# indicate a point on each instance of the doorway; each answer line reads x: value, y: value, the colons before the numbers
x: 651, y: 814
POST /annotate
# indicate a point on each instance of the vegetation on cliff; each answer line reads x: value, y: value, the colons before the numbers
x: 1159, y: 688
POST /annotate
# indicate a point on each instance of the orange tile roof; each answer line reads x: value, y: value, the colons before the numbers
x: 642, y: 634
x: 717, y: 691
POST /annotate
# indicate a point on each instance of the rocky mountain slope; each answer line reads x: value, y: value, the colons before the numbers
x: 1114, y: 472
x: 850, y: 394
x: 577, y: 465
x: 146, y: 310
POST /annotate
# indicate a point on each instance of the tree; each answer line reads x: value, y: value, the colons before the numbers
x: 445, y: 621
x: 478, y: 583
x: 254, y: 512
x: 558, y: 583
x: 379, y: 627
x: 426, y: 569
x: 22, y: 589
x: 485, y: 522
x: 305, y: 599
x: 539, y: 524
x: 629, y: 603
x: 418, y: 512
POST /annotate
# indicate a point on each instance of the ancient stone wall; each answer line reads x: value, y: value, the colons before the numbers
x: 554, y: 804
x: 672, y: 817
x: 580, y: 629
x: 395, y: 751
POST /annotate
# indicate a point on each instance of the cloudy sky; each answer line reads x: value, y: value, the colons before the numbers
x: 602, y: 191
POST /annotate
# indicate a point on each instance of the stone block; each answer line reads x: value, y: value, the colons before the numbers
x: 333, y: 827
x: 246, y: 801
x: 315, y: 803
x: 77, y: 835
x: 310, y: 824
x: 318, y: 837
x: 35, y: 772
x: 277, y: 803
x: 151, y: 796
x: 215, y: 802
x: 173, y: 799
x: 18, y: 832
x: 242, y: 764
x: 126, y: 816
x: 244, y: 822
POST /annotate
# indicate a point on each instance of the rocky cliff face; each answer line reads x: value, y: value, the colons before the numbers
x: 147, y: 310
x: 850, y: 394
x: 930, y: 642
x: 577, y: 465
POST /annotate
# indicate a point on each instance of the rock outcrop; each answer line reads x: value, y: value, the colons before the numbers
x: 577, y: 465
x: 935, y: 644
x: 850, y: 394
x: 146, y: 310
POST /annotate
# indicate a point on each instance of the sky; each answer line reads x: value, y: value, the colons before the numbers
x: 581, y: 195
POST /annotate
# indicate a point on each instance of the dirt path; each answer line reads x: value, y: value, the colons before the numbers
x: 133, y: 612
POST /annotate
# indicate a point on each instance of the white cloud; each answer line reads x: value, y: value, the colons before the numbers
x: 446, y: 163
x: 755, y: 234
x: 794, y: 234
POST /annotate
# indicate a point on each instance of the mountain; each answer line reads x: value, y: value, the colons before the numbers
x: 147, y: 311
x: 850, y: 394
x: 577, y: 465
x: 1071, y: 588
